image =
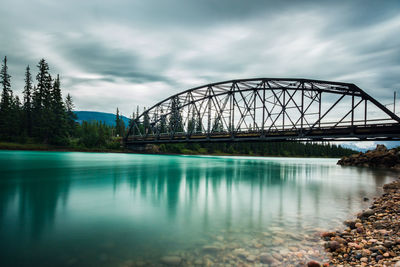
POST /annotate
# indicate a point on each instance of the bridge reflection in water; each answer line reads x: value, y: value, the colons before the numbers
x: 266, y: 109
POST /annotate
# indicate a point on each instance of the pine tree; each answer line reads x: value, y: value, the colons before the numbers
x: 131, y: 124
x: 42, y: 100
x: 15, y: 122
x: 163, y: 122
x: 6, y: 102
x: 175, y: 120
x: 71, y: 116
x: 121, y: 126
x: 27, y: 107
x: 146, y: 121
x: 59, y: 124
x: 192, y: 124
x: 199, y: 126
x: 117, y: 124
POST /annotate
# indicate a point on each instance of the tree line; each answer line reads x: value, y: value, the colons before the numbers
x: 45, y: 117
x: 284, y: 149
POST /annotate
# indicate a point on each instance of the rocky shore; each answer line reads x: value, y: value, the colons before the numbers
x: 380, y: 157
x: 373, y: 238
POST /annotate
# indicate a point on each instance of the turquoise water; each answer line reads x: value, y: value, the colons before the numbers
x: 94, y: 209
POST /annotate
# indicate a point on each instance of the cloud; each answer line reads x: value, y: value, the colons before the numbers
x: 127, y: 53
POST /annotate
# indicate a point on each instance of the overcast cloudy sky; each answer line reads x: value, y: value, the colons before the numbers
x: 126, y: 53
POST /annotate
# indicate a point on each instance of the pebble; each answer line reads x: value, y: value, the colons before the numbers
x: 313, y: 264
x: 171, y: 260
x: 371, y: 239
x: 266, y: 258
x: 211, y: 249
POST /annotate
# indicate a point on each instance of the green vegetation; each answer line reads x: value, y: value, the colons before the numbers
x: 45, y: 122
x: 259, y: 149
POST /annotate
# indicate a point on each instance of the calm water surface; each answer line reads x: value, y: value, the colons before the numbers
x: 92, y: 209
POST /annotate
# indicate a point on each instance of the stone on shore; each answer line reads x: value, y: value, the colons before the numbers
x: 373, y: 239
x: 379, y: 157
x: 313, y: 264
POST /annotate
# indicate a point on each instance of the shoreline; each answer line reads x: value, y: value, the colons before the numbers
x: 373, y: 237
x: 48, y: 148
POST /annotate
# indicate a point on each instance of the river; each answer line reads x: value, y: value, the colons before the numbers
x: 98, y: 209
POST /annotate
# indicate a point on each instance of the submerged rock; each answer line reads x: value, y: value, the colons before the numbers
x: 266, y: 258
x: 211, y: 249
x: 171, y: 260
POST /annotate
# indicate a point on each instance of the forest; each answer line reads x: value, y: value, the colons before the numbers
x: 44, y: 118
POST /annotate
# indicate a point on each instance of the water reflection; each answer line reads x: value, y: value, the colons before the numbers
x: 155, y: 203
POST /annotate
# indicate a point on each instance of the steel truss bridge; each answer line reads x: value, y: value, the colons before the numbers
x: 266, y: 109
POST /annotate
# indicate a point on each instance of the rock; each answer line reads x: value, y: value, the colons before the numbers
x: 381, y: 148
x: 171, y: 260
x: 380, y: 157
x: 266, y: 258
x: 240, y: 252
x: 332, y: 245
x: 373, y: 239
x: 378, y: 248
x: 367, y: 213
x: 358, y: 225
x: 313, y: 264
x: 277, y: 256
x: 251, y: 258
x: 328, y: 234
x: 350, y: 224
x: 198, y: 262
x: 211, y: 249
x: 388, y: 243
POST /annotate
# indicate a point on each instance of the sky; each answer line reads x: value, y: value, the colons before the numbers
x: 124, y: 53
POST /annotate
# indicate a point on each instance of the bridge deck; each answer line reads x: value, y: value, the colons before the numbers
x: 355, y: 133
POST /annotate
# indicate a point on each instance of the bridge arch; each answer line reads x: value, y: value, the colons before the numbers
x: 266, y: 109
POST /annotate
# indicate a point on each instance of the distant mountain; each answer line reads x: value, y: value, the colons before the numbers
x: 107, y: 118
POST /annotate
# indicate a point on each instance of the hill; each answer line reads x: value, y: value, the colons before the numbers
x: 107, y: 118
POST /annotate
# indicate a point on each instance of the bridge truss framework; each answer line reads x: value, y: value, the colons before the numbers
x: 266, y: 109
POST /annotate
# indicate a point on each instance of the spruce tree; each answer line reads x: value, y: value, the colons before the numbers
x: 121, y: 126
x: 146, y: 121
x: 117, y: 124
x: 131, y: 122
x: 15, y: 122
x: 6, y: 102
x: 175, y: 119
x: 42, y: 101
x: 199, y: 126
x: 163, y: 122
x: 59, y: 116
x: 71, y: 116
x: 27, y: 107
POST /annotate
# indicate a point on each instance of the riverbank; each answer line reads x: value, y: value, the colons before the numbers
x: 380, y: 157
x: 373, y: 238
x: 45, y: 147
